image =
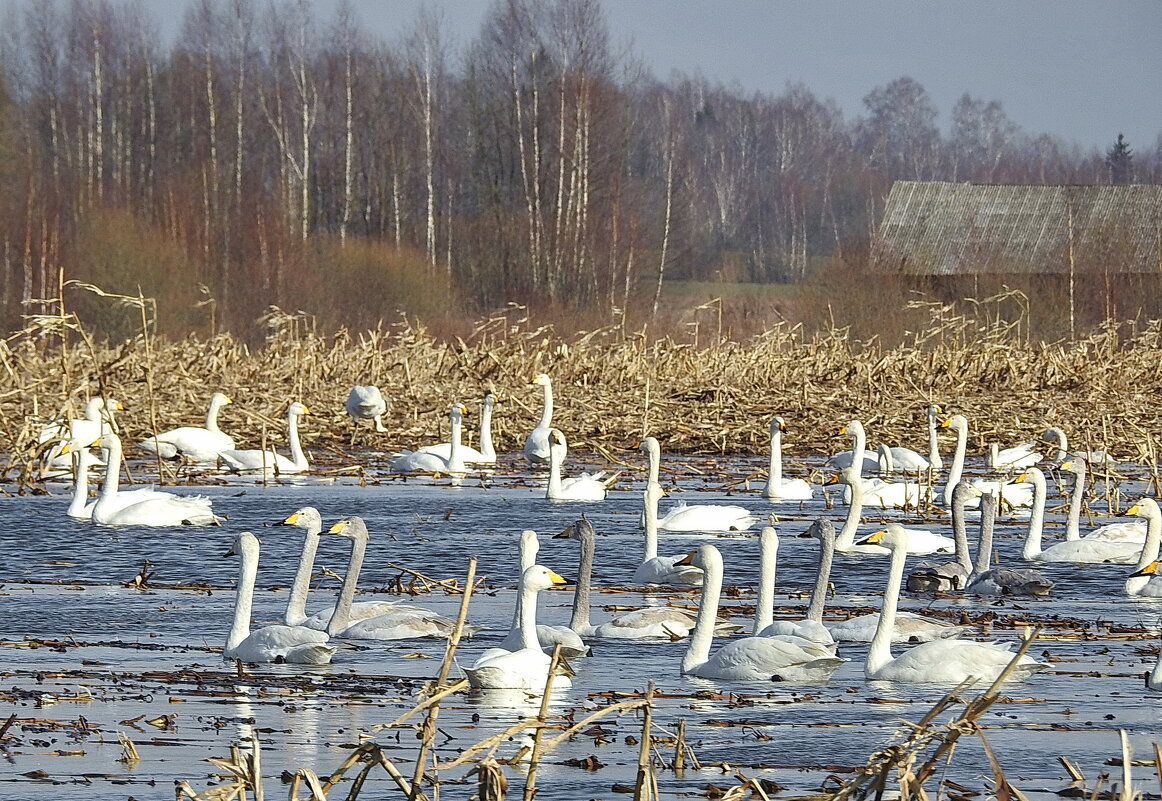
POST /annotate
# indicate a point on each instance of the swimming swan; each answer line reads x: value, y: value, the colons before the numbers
x: 468, y: 454
x: 988, y: 580
x: 537, y: 442
x: 548, y: 636
x: 161, y: 509
x: 81, y: 508
x: 947, y: 576
x: 1014, y: 493
x: 427, y: 462
x: 1080, y: 550
x: 584, y: 487
x: 921, y: 541
x: 1120, y: 531
x: 200, y: 445
x: 656, y: 569
x: 1145, y: 581
x: 268, y: 461
x: 779, y: 488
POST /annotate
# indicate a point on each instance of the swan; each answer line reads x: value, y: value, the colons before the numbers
x: 656, y: 569
x: 376, y: 620
x: 811, y: 628
x: 647, y: 623
x: 986, y: 580
x: 1060, y: 444
x: 1154, y: 677
x: 366, y: 402
x: 1145, y: 581
x: 921, y: 541
x: 278, y: 643
x: 97, y: 420
x: 935, y: 417
x: 779, y: 488
x: 1080, y: 550
x: 700, y: 517
x: 947, y: 576
x: 775, y: 658
x: 944, y: 661
x: 469, y: 455
x: 537, y: 442
x: 1015, y: 493
x: 269, y: 461
x: 526, y: 668
x: 1121, y: 531
x: 420, y: 462
x: 191, y: 442
x: 311, y: 523
x: 161, y: 509
x: 858, y: 455
x: 584, y: 487
x: 548, y: 636
x: 1015, y: 458
x: 81, y: 508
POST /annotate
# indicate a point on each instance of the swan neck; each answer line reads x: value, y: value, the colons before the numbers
x: 933, y: 443
x: 455, y: 458
x: 527, y: 603
x: 1073, y: 524
x: 547, y: 409
x: 80, y: 484
x: 858, y: 449
x: 984, y: 547
x: 655, y: 455
x: 651, y: 510
x: 296, y: 448
x: 579, y: 621
x: 822, y: 578
x: 851, y: 523
x: 959, y: 534
x: 212, y: 416
x: 244, y: 599
x: 880, y: 653
x: 296, y: 604
x: 775, y: 465
x: 112, y: 469
x: 1153, y: 539
x: 487, y: 449
x: 698, y: 651
x: 957, y: 468
x: 764, y: 611
x: 1036, y: 520
x: 556, y: 459
x: 341, y: 617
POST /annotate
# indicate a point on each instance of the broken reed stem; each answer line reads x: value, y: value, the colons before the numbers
x: 680, y: 748
x: 1127, y: 769
x: 643, y: 789
x: 428, y: 732
x: 542, y: 714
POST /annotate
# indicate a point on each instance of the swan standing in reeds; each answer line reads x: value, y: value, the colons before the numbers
x: 537, y: 442
x: 779, y: 488
x: 277, y: 643
x: 1145, y: 581
x: 197, y: 444
x: 811, y: 628
x: 948, y: 576
x: 656, y: 569
x: 921, y: 542
x: 528, y: 667
x: 1079, y: 550
x: 423, y: 462
x: 946, y: 661
x: 988, y: 580
x: 366, y: 402
x: 268, y: 461
x: 584, y: 487
x: 1015, y: 493
x: 468, y: 454
x: 159, y: 509
x: 776, y: 658
x: 1120, y: 531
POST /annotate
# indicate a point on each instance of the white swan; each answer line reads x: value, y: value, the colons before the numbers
x: 198, y: 444
x: 1154, y: 677
x: 947, y: 576
x: 526, y: 668
x: 548, y: 636
x: 81, y: 508
x: 656, y: 569
x: 1120, y: 531
x: 269, y: 461
x: 776, y: 658
x: 779, y: 488
x: 1014, y: 493
x: 537, y: 442
x: 278, y: 643
x: 161, y: 509
x: 376, y: 620
x: 1060, y: 449
x: 311, y: 523
x: 811, y: 628
x: 1015, y: 458
x: 921, y: 541
x: 702, y: 516
x: 988, y: 580
x: 366, y: 402
x: 77, y: 433
x: 584, y: 487
x: 939, y: 661
x: 1145, y: 581
x: 858, y: 456
x: 420, y: 462
x: 468, y: 454
x: 1080, y: 550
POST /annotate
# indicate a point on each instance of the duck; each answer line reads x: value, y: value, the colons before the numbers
x: 536, y: 447
x: 196, y: 444
x: 277, y: 643
x: 1145, y: 581
x: 468, y: 454
x: 949, y: 576
x: 656, y: 569
x: 584, y: 487
x: 921, y: 541
x: 945, y: 661
x: 1014, y: 493
x: 528, y: 667
x: 1079, y: 550
x: 775, y: 658
x: 811, y: 627
x: 269, y: 461
x: 988, y: 580
x: 366, y: 402
x: 160, y: 509
x: 427, y: 462
x: 777, y: 487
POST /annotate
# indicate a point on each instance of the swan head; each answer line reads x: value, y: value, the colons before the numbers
x: 847, y: 475
x: 1144, y: 507
x: 113, y: 405
x: 704, y: 557
x: 1149, y: 570
x: 1032, y: 475
x: 307, y: 518
x: 539, y: 577
x: 820, y: 529
x: 891, y: 537
x: 244, y: 542
x: 1075, y: 465
x: 296, y: 409
x: 579, y: 530
x: 935, y: 410
x: 963, y: 491
x: 220, y: 399
x: 957, y: 422
x: 457, y: 411
x: 541, y: 380
x: 654, y: 492
x: 353, y: 528
x: 778, y: 426
x: 490, y: 399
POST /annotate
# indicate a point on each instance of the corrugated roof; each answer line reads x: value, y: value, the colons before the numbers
x: 933, y: 228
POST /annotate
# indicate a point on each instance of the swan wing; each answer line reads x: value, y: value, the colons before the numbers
x: 279, y: 643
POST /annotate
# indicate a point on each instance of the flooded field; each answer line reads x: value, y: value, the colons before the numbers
x: 91, y: 661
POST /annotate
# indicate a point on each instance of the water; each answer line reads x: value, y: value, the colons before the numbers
x: 119, y: 657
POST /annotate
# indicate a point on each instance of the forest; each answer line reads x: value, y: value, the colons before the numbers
x: 265, y: 158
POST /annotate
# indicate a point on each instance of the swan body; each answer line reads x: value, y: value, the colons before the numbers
x: 811, y: 628
x: 779, y: 488
x: 656, y: 569
x: 528, y: 667
x: 470, y: 455
x: 81, y: 508
x: 938, y: 661
x: 269, y: 461
x: 1154, y: 677
x: 750, y: 658
x: 707, y: 517
x: 1078, y: 550
x: 159, y: 509
x: 1017, y: 457
x: 892, y: 459
x: 1014, y: 493
x: 921, y: 542
x: 948, y: 576
x: 584, y: 487
x: 198, y: 444
x: 429, y: 462
x: 278, y: 643
x: 366, y: 402
x: 1145, y: 581
x: 987, y: 580
x: 548, y: 637
x: 537, y: 442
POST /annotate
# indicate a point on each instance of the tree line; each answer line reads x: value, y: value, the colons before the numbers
x: 266, y: 156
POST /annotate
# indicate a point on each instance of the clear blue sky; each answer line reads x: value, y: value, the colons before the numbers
x: 1080, y: 70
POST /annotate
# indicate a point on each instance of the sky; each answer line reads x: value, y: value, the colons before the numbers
x: 1083, y: 71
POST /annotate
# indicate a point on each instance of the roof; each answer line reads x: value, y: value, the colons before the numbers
x: 934, y: 228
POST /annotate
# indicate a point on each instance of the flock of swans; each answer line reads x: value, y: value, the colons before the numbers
x: 809, y: 649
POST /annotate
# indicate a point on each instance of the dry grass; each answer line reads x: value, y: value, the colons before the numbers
x: 612, y: 385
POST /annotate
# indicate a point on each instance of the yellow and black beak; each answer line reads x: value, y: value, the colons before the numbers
x: 338, y: 528
x: 556, y: 578
x: 1149, y: 570
x: 290, y: 521
x: 873, y: 539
